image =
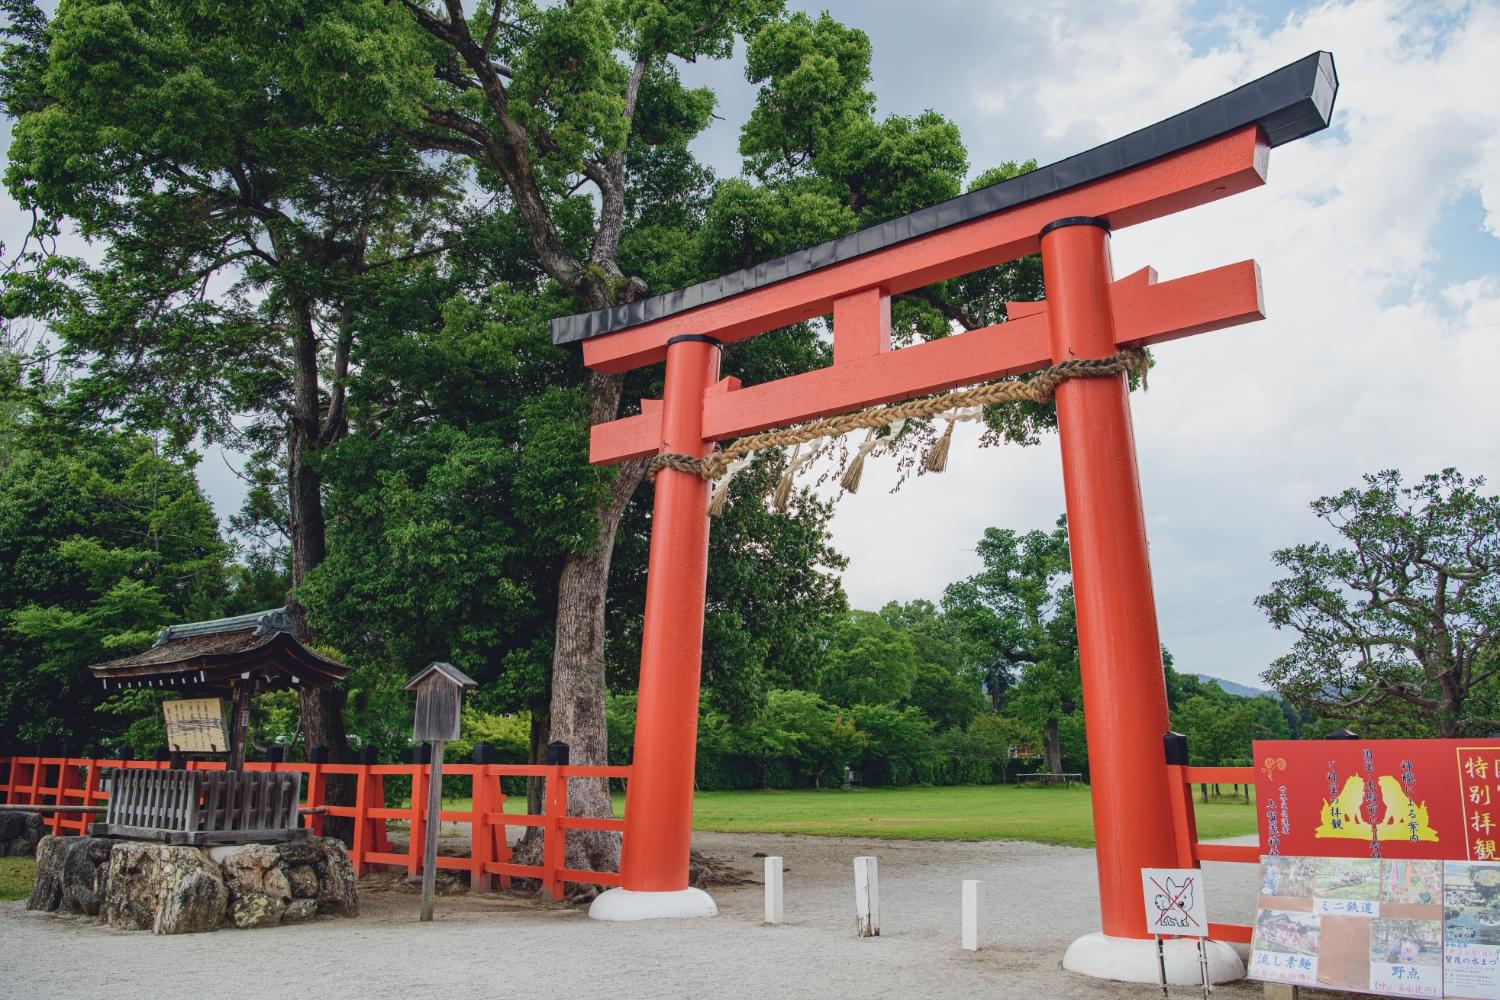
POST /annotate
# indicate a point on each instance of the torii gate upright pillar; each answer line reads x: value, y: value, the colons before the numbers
x: 1119, y: 647
x: 659, y: 795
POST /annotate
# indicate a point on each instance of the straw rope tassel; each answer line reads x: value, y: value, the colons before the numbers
x: 721, y: 491
x: 936, y: 459
x: 850, y: 480
x: 783, y: 494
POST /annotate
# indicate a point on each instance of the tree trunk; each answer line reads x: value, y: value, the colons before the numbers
x: 536, y: 787
x: 322, y: 709
x: 1052, y: 747
x: 578, y: 686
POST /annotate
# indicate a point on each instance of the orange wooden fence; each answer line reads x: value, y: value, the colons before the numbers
x: 78, y: 781
x: 1189, y: 851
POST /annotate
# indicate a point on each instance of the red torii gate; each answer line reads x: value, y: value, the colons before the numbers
x: 1066, y: 211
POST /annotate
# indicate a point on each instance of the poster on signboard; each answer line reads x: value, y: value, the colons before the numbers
x: 1432, y: 799
x: 1355, y: 924
x: 1471, y: 929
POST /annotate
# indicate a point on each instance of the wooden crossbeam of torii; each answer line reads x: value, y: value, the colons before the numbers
x: 866, y: 372
x: 1066, y: 212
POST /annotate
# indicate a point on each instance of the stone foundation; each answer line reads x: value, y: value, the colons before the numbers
x: 135, y: 885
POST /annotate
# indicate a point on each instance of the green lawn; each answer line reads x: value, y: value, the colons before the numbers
x: 965, y: 812
x: 16, y: 875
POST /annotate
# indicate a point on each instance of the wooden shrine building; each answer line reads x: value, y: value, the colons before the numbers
x: 234, y: 657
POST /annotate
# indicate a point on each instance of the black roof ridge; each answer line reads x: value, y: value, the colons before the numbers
x: 1289, y: 103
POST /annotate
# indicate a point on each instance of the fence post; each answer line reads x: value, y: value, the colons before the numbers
x: 1180, y: 794
x: 361, y: 814
x: 554, y: 844
x: 773, y: 890
x: 481, y: 846
x: 973, y: 914
x: 317, y: 787
x: 867, y: 897
x: 421, y: 778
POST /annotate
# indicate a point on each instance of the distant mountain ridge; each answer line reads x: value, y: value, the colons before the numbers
x: 1240, y: 690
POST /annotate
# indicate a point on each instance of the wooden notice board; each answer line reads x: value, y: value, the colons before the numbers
x: 195, y: 725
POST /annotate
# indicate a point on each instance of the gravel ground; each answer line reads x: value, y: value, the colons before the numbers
x: 1038, y: 898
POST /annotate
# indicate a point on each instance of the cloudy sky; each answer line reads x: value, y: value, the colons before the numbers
x: 1379, y: 243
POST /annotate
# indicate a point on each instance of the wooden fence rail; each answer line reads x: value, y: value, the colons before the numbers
x: 81, y: 781
x: 1190, y: 853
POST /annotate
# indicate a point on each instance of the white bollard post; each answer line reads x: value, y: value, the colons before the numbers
x: 773, y: 890
x: 973, y: 905
x: 867, y: 897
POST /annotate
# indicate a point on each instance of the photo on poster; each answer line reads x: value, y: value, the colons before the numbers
x: 1347, y: 887
x: 1414, y: 882
x: 1347, y: 878
x: 1285, y: 947
x: 1291, y: 932
x: 1471, y: 929
x: 1287, y: 877
x: 1406, y: 957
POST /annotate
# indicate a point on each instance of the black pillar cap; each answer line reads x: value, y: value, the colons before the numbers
x: 1176, y: 747
x: 126, y: 753
x: 557, y: 752
x: 421, y: 754
x: 484, y: 753
x: 1342, y: 734
x: 276, y: 754
x: 162, y: 753
x: 318, y: 755
x: 367, y: 755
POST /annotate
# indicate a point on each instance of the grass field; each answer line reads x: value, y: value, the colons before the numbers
x: 16, y: 875
x: 964, y: 812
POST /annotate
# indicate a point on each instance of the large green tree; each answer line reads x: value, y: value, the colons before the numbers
x: 105, y: 537
x: 1398, y: 619
x: 1019, y: 606
x: 243, y: 234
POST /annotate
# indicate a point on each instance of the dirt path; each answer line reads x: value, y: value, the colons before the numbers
x: 1038, y: 898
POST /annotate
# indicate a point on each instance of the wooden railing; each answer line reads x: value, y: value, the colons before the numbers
x: 78, y: 781
x: 1190, y: 853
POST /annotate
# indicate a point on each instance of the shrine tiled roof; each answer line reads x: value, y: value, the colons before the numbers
x: 213, y: 653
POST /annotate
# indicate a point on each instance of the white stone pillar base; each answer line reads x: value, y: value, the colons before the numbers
x: 1133, y: 960
x: 623, y: 904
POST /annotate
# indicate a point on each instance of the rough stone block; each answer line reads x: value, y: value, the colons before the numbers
x: 256, y: 909
x: 338, y: 891
x: 165, y: 889
x: 299, y: 910
x: 255, y: 869
x: 304, y: 881
x: 86, y: 875
x: 47, y: 890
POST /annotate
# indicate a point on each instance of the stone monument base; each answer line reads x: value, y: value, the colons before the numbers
x: 169, y: 889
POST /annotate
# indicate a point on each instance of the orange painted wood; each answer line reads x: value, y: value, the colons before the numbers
x: 1184, y: 821
x: 1146, y: 312
x: 1237, y: 933
x: 861, y: 325
x: 554, y: 848
x: 487, y: 818
x: 1212, y: 170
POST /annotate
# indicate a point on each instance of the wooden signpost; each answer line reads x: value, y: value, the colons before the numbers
x: 440, y: 695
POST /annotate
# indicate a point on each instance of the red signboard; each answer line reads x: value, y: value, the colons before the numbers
x: 1379, y: 798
